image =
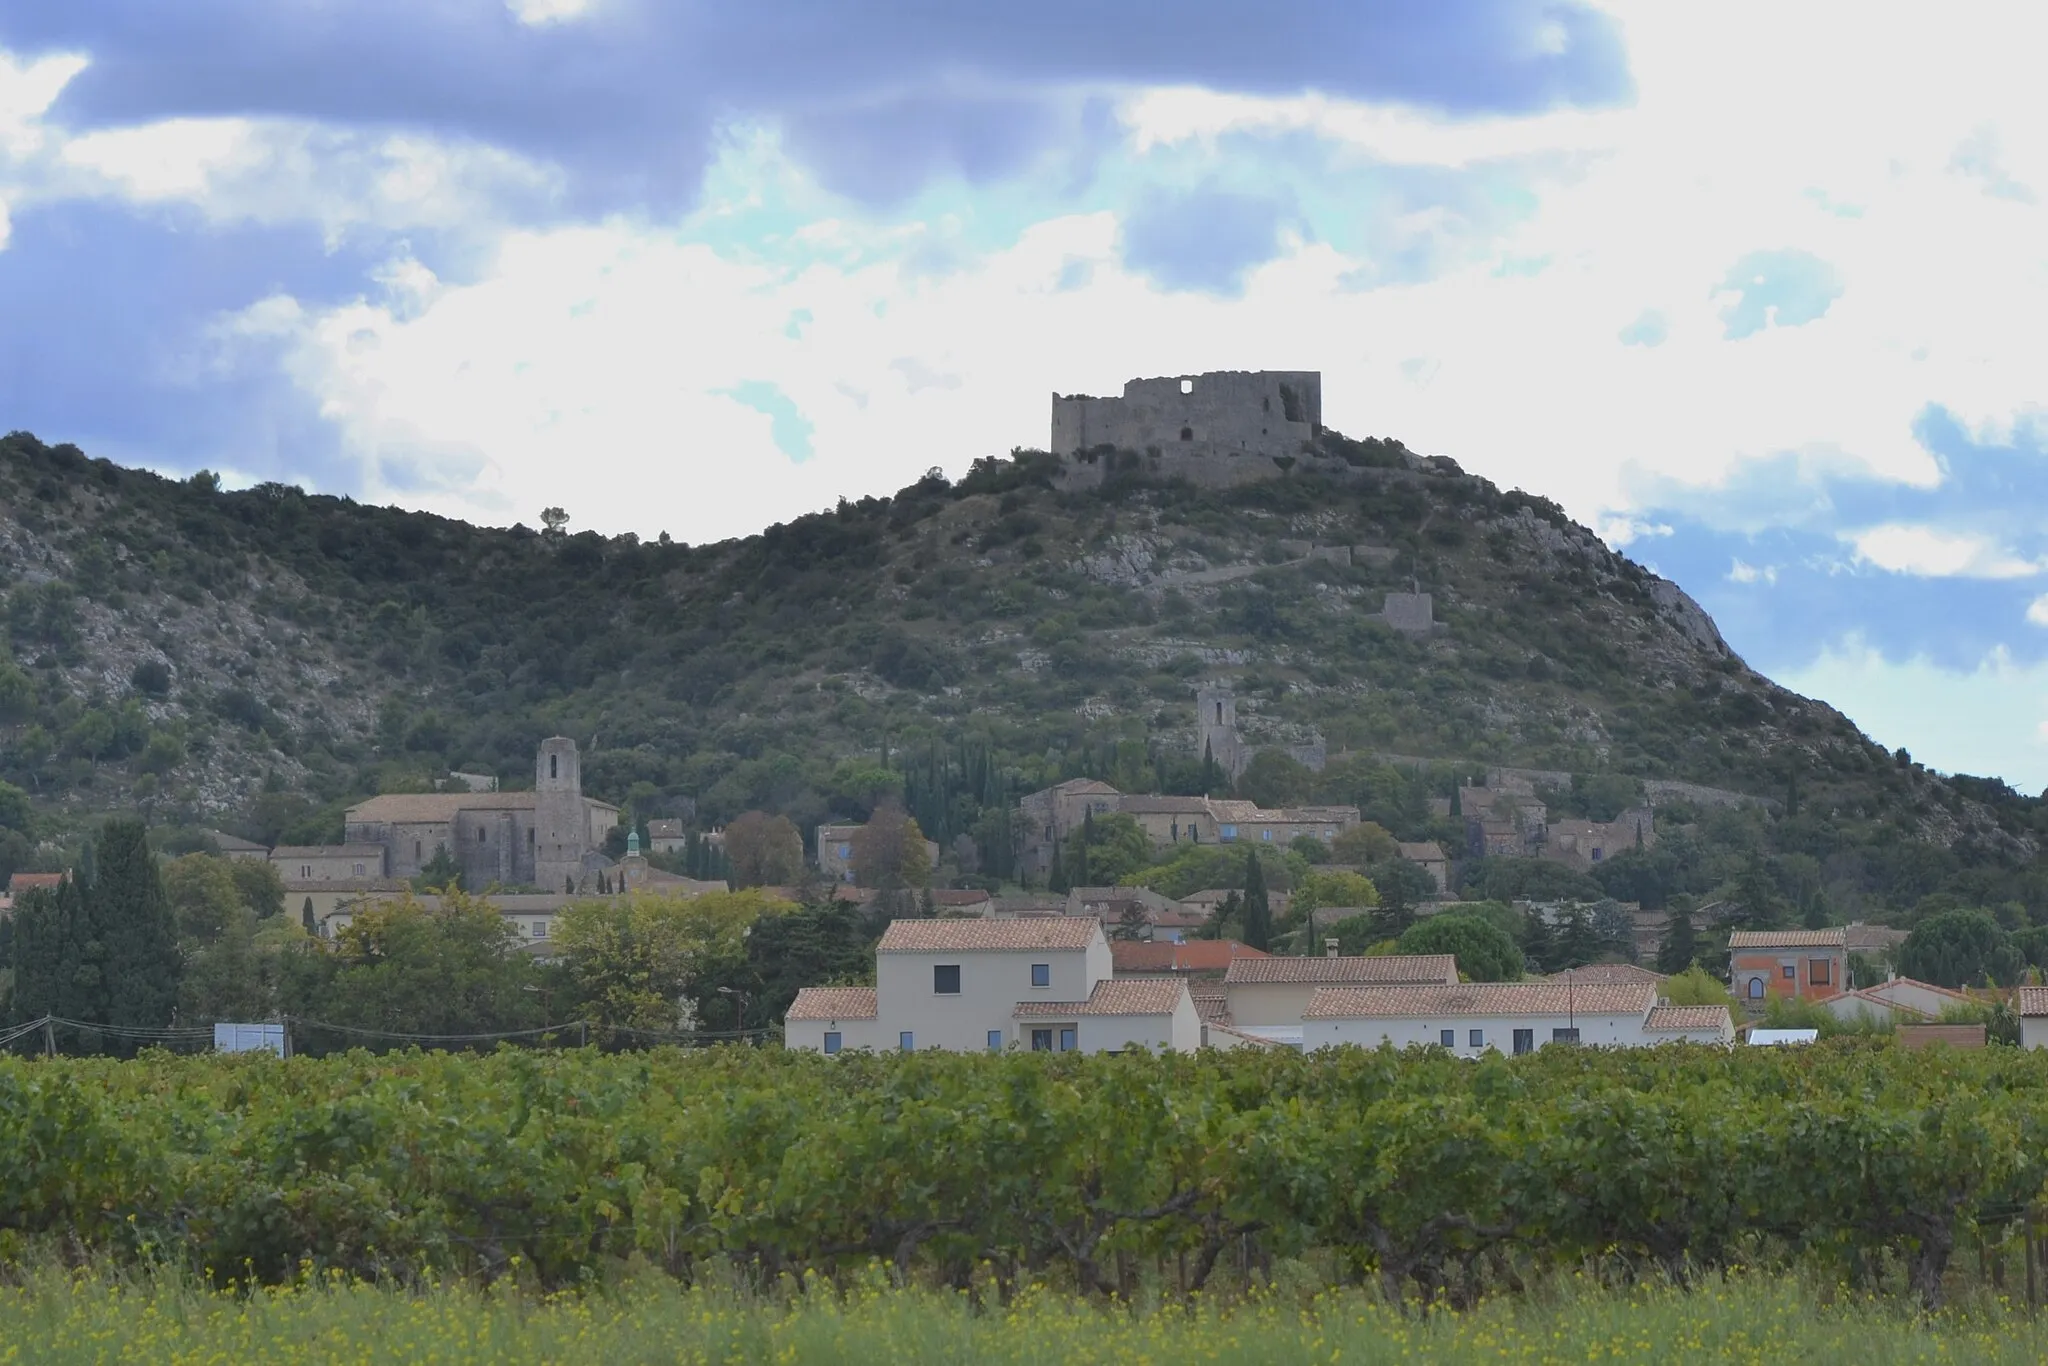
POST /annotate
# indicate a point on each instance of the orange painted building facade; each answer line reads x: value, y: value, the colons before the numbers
x: 1807, y: 965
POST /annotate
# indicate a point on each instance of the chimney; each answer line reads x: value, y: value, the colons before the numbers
x: 1329, y: 948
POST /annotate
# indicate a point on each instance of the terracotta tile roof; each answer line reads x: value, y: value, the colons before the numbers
x: 1428, y: 852
x: 1165, y: 806
x: 419, y: 808
x: 291, y: 851
x: 1627, y: 973
x: 1211, y: 1000
x: 1878, y: 990
x: 1115, y: 996
x: 989, y: 936
x: 22, y: 882
x: 833, y: 1003
x: 2034, y: 1000
x: 1438, y: 969
x: 1197, y: 955
x: 667, y: 829
x: 1687, y: 1017
x: 1788, y: 939
x: 1479, y: 998
x: 960, y: 896
x: 1244, y: 1039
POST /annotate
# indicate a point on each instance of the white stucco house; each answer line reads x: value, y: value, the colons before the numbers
x: 1901, y: 1000
x: 1474, y: 1018
x: 1268, y: 997
x: 2034, y: 1017
x: 969, y: 985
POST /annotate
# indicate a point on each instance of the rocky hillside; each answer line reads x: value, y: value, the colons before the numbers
x: 252, y: 658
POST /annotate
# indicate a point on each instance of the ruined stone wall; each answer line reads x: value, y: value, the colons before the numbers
x: 1223, y: 413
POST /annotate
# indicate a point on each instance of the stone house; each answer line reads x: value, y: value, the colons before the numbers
x: 551, y: 838
x: 1429, y: 856
x: 1050, y: 815
x: 299, y: 865
x: 667, y: 836
x: 835, y: 851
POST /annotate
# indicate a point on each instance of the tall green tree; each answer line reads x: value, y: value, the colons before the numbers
x: 1680, y: 947
x: 128, y: 906
x: 1485, y: 952
x: 1258, y: 912
x: 38, y: 952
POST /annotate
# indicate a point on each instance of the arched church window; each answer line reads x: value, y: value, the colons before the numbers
x: 553, y: 761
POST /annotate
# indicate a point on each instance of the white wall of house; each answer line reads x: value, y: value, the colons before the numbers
x: 991, y: 985
x: 1497, y: 1032
x: 2034, y: 1031
x: 1270, y: 1003
x: 1180, y: 1031
x: 853, y: 1035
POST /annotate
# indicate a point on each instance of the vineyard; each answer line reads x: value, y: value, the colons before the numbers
x: 1430, y: 1175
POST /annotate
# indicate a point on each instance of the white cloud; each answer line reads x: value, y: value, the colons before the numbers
x: 549, y: 11
x: 1929, y: 553
x: 1991, y: 720
x: 2037, y: 610
x: 275, y: 171
x: 1740, y: 572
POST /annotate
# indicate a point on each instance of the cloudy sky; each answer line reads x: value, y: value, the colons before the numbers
x: 1756, y: 289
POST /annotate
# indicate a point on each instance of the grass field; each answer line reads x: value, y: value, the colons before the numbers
x: 55, y: 1317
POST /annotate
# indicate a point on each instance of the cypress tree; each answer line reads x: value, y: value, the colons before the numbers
x: 307, y: 919
x: 1680, y: 945
x: 37, y: 954
x: 1258, y: 912
x: 127, y: 905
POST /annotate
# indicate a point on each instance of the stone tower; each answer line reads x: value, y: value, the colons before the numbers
x: 561, y: 825
x: 1216, y: 720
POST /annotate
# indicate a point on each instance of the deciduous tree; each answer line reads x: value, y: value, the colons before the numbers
x: 764, y: 850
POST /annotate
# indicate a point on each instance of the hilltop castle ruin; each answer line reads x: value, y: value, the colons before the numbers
x: 1222, y: 428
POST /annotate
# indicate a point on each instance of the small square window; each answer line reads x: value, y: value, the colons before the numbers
x: 1478, y: 1038
x: 1447, y: 1037
x: 906, y: 1041
x: 1788, y: 972
x: 1041, y: 1041
x: 995, y: 1041
x: 1564, y: 1036
x: 946, y: 979
x: 832, y: 1041
x: 1041, y: 974
x: 1067, y: 1040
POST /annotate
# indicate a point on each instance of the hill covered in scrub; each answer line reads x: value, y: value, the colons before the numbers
x: 251, y: 660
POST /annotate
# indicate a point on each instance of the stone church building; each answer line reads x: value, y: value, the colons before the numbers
x: 550, y: 838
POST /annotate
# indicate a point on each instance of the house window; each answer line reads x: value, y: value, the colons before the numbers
x: 415, y: 851
x: 1219, y: 713
x: 1596, y: 855
x: 946, y: 979
x: 479, y: 834
x: 1525, y: 1041
x: 1447, y: 1037
x: 1756, y: 988
x: 359, y: 870
x: 1228, y: 832
x: 1067, y: 1039
x: 1478, y: 1038
x: 529, y: 837
x: 906, y: 1041
x: 540, y: 929
x: 1187, y: 433
x: 1041, y: 1041
x: 995, y: 1041
x: 1041, y: 974
x: 1564, y: 1036
x: 1817, y: 972
x: 831, y: 1041
x: 1266, y: 835
x: 1789, y: 971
